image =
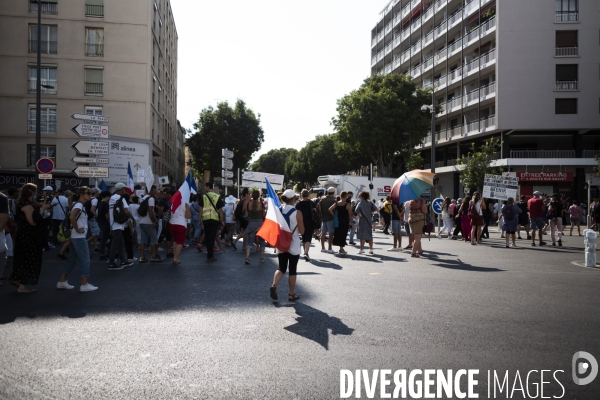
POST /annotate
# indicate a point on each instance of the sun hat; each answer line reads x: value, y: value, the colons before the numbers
x: 290, y: 194
x: 230, y: 199
x: 120, y: 186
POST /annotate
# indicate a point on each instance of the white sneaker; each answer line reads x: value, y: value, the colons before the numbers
x: 323, y: 251
x: 392, y: 249
x: 88, y: 288
x: 361, y: 252
x: 371, y: 252
x: 438, y: 236
x: 331, y: 251
x: 130, y: 260
x: 50, y: 245
x: 64, y: 285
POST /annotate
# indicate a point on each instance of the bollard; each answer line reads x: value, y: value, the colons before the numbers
x: 590, y: 243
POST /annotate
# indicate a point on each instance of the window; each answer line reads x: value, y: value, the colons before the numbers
x: 48, y: 80
x: 566, y: 43
x: 567, y: 11
x: 48, y: 6
x: 47, y: 120
x: 566, y: 77
x: 94, y: 42
x: 94, y: 78
x: 45, y: 152
x: 94, y: 8
x: 49, y: 39
x: 565, y: 106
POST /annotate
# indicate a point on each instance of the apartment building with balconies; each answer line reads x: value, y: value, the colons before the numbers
x: 527, y: 73
x: 102, y: 57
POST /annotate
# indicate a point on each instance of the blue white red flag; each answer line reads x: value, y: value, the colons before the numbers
x: 130, y: 184
x: 192, y: 183
x: 275, y: 229
x: 181, y: 197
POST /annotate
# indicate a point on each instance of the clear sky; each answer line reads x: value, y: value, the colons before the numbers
x: 289, y: 61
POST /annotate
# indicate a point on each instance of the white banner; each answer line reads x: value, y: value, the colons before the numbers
x: 149, y: 178
x: 500, y: 187
x: 257, y: 180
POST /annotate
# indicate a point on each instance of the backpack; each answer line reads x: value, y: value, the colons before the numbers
x: 238, y: 214
x: 472, y: 212
x: 143, y: 210
x: 64, y: 229
x: 88, y: 209
x: 119, y: 214
x: 509, y: 213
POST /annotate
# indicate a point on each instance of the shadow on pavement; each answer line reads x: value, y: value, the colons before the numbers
x: 459, y: 265
x: 325, y: 264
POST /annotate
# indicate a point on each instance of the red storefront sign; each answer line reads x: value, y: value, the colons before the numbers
x: 545, y: 176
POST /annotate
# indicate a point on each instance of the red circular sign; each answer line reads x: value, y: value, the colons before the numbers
x: 45, y: 165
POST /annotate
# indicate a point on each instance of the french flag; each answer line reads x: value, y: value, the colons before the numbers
x: 192, y: 182
x: 182, y: 196
x: 275, y: 229
x: 130, y: 184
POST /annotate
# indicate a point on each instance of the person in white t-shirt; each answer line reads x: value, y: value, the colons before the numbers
x: 178, y: 228
x: 79, y: 250
x: 148, y: 225
x: 117, y: 244
x: 59, y: 207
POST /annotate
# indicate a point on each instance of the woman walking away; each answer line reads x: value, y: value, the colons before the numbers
x: 240, y: 215
x: 447, y: 218
x: 465, y: 222
x: 344, y: 214
x: 476, y: 217
x: 457, y: 221
x: 230, y: 223
x: 575, y: 213
x: 306, y: 208
x: 487, y: 219
x: 27, y: 261
x: 178, y: 229
x: 416, y: 219
x: 555, y: 211
x: 255, y: 215
x: 79, y: 247
x: 510, y: 217
x: 289, y: 258
x: 364, y: 210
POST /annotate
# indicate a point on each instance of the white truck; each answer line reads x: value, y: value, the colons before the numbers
x: 382, y: 187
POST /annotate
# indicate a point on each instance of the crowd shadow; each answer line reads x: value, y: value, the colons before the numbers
x: 315, y: 325
x: 459, y: 265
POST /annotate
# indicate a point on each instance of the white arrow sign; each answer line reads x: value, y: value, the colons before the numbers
x: 91, y: 130
x: 89, y: 160
x: 226, y: 174
x: 85, y: 117
x: 91, y: 172
x: 90, y: 147
x: 227, y: 153
x: 227, y: 182
x: 226, y: 164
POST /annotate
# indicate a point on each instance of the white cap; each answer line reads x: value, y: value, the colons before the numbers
x: 330, y: 189
x: 536, y: 193
x: 120, y: 186
x: 48, y: 188
x: 230, y: 199
x: 290, y: 194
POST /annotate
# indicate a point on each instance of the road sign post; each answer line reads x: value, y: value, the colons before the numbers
x: 90, y: 147
x: 226, y: 165
x: 86, y: 117
x: 91, y: 172
x: 91, y: 131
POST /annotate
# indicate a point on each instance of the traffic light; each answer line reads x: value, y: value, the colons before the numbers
x: 436, y: 180
x: 370, y: 174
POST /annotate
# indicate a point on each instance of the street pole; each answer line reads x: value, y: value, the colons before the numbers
x: 432, y: 194
x: 589, y: 217
x: 238, y: 182
x: 38, y: 95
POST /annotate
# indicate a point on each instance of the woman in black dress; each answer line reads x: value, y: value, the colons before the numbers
x: 344, y: 215
x: 306, y: 207
x: 28, y: 247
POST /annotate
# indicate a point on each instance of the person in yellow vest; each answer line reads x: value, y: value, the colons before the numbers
x: 211, y: 209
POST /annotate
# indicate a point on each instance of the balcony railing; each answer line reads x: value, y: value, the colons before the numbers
x: 94, y: 11
x: 31, y: 87
x: 542, y: 154
x: 473, y: 95
x: 373, y: 61
x: 488, y: 122
x: 591, y: 153
x: 567, y: 51
x: 473, y: 65
x: 564, y: 17
x: 405, y: 56
x: 94, y: 88
x: 441, y: 28
x: 47, y: 8
x: 427, y: 64
x: 456, y: 45
x: 488, y: 89
x: 48, y: 47
x: 567, y: 85
x: 94, y: 50
x: 48, y: 125
x: 374, y: 41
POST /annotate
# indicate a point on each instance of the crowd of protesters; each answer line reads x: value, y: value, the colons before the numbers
x: 88, y: 221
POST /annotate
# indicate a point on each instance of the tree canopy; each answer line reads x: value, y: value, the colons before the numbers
x: 237, y: 129
x: 273, y: 161
x: 476, y: 164
x: 372, y: 119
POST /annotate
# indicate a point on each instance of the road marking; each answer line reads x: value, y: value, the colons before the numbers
x: 580, y: 264
x: 373, y: 273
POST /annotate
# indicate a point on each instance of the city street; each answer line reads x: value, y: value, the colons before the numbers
x: 201, y: 330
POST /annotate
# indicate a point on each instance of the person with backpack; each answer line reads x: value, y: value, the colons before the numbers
x: 129, y: 231
x: 536, y: 222
x: 289, y: 259
x: 240, y: 216
x: 79, y: 252
x: 475, y: 212
x: 307, y: 209
x: 148, y: 227
x: 59, y: 207
x: 211, y: 209
x: 103, y: 222
x: 164, y: 212
x: 509, y: 214
x: 119, y: 215
x: 93, y: 228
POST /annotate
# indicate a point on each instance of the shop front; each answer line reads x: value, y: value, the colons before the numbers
x: 546, y: 183
x: 62, y: 180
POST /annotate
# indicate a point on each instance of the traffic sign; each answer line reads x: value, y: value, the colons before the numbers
x: 91, y: 130
x: 85, y: 117
x: 91, y: 172
x: 45, y: 176
x: 227, y: 182
x: 218, y: 179
x: 89, y: 160
x: 226, y: 163
x: 226, y: 174
x: 90, y: 147
x: 227, y: 153
x: 45, y: 165
x: 436, y: 205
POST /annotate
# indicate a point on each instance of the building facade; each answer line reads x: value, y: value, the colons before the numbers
x: 100, y: 57
x: 525, y: 72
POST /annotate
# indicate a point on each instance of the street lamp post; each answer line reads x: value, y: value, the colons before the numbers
x: 431, y: 109
x: 38, y: 93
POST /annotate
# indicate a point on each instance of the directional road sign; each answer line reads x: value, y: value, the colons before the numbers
x: 91, y: 147
x: 227, y: 153
x: 85, y: 117
x: 89, y: 160
x: 227, y: 182
x: 226, y: 174
x: 436, y: 205
x: 45, y: 165
x: 218, y: 179
x: 91, y: 130
x: 226, y: 163
x: 91, y: 172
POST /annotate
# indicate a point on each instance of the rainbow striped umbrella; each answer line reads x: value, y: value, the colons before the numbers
x: 411, y: 185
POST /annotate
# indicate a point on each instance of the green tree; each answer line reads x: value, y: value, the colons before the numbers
x: 372, y: 119
x: 237, y: 129
x: 415, y: 161
x: 273, y: 161
x: 476, y: 164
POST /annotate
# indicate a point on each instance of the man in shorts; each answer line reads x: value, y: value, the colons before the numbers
x: 327, y: 220
x: 148, y: 226
x: 536, y: 222
x: 523, y: 217
x: 396, y: 219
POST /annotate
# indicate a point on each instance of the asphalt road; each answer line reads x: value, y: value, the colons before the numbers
x: 199, y: 330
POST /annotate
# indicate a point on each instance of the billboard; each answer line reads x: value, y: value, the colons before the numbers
x: 120, y: 152
x: 257, y: 180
